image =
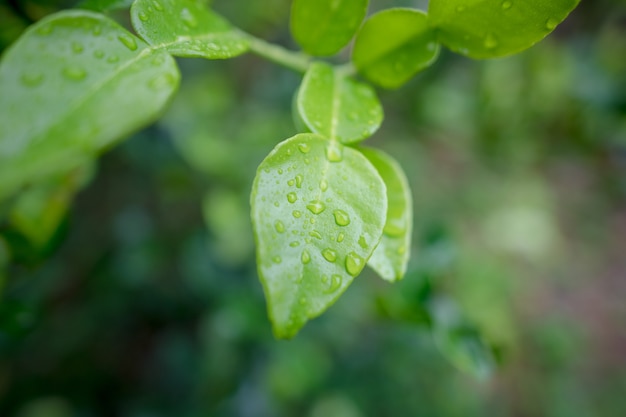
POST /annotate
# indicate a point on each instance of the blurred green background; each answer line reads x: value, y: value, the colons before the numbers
x: 138, y: 296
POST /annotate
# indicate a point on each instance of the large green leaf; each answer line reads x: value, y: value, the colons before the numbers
x: 494, y: 28
x: 393, y: 45
x: 392, y: 254
x: 318, y: 211
x: 187, y: 28
x: 336, y: 106
x: 72, y: 85
x: 323, y: 27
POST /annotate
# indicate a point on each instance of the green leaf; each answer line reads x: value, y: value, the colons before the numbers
x: 495, y: 28
x: 105, y: 5
x: 393, y: 45
x: 187, y: 28
x: 391, y: 257
x: 323, y: 27
x: 338, y: 107
x: 318, y: 211
x: 72, y: 85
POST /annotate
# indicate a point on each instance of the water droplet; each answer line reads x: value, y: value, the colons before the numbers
x: 341, y: 218
x: 74, y: 73
x: 280, y: 171
x: 143, y: 17
x: 551, y: 23
x: 304, y: 148
x: 334, y: 152
x: 128, y: 41
x: 277, y: 259
x: 316, y: 234
x: 354, y: 264
x: 45, y: 30
x: 292, y: 197
x: 490, y: 41
x: 77, y: 47
x: 316, y: 206
x: 32, y: 79
x: 299, y: 179
x: 162, y: 81
x: 113, y: 59
x: 280, y: 227
x: 340, y: 237
x: 323, y: 185
x: 334, y: 285
x: 98, y: 54
x: 506, y: 5
x: 297, y: 214
x: 291, y: 183
x: 362, y: 242
x: 188, y: 18
x: 329, y: 254
x: 294, y: 244
x: 305, y: 257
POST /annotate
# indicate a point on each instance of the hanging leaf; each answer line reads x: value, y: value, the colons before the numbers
x: 72, y: 85
x: 187, y: 28
x: 338, y: 107
x: 324, y: 27
x: 318, y: 211
x: 391, y: 257
x: 394, y: 45
x: 495, y: 28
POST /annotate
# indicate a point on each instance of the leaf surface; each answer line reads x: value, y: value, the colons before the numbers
x: 391, y: 257
x: 318, y: 211
x: 72, y: 85
x: 495, y: 28
x: 336, y: 106
x: 393, y: 45
x: 324, y: 27
x: 187, y: 28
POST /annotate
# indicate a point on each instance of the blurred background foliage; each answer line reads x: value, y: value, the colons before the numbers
x: 137, y: 296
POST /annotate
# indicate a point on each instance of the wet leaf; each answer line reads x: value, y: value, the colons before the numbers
x: 318, y: 211
x: 338, y: 107
x: 489, y: 29
x: 72, y: 85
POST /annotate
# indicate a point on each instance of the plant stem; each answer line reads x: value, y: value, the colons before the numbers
x: 295, y: 61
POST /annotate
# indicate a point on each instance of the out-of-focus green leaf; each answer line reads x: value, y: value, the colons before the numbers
x: 393, y: 45
x: 494, y: 28
x: 318, y: 212
x: 323, y: 27
x: 72, y: 85
x: 391, y: 257
x: 105, y: 5
x: 338, y: 107
x: 187, y: 28
x: 459, y: 341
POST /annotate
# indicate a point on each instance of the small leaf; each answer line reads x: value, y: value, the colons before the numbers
x: 495, y: 28
x: 318, y: 211
x: 323, y: 27
x: 72, y: 85
x: 391, y: 257
x: 187, y: 28
x: 393, y: 45
x: 338, y: 107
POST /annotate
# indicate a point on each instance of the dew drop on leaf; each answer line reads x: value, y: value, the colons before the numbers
x: 341, y: 218
x: 304, y: 148
x: 291, y: 183
x: 128, y: 42
x: 329, y: 254
x: 491, y: 41
x: 315, y: 234
x: 323, y: 185
x: 340, y: 237
x: 143, y: 17
x: 506, y: 5
x: 335, y: 284
x: 277, y: 259
x: 354, y: 264
x: 316, y: 206
x: 305, y: 257
x: 292, y: 197
x: 77, y: 47
x: 362, y: 242
x: 551, y: 24
x: 294, y: 244
x: 158, y: 6
x: 98, y: 54
x: 74, y: 73
x: 299, y: 180
x: 334, y: 152
x: 31, y: 79
x: 280, y: 227
x: 113, y: 59
x: 297, y: 214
